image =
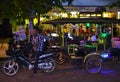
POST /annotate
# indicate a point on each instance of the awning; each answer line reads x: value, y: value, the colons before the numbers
x: 82, y: 20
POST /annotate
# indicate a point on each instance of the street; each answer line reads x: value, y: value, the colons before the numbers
x: 65, y: 73
x: 85, y: 31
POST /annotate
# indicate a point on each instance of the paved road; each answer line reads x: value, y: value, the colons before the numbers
x: 66, y: 73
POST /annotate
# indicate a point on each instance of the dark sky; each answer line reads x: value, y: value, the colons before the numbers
x: 93, y: 2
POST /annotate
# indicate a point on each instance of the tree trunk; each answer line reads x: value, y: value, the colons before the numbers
x: 6, y: 28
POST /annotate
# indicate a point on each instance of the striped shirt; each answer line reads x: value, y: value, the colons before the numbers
x: 39, y: 40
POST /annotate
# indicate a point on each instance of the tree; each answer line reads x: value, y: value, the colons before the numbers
x: 28, y: 8
x: 115, y: 4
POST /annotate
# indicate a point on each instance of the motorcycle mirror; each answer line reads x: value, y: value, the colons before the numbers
x: 70, y: 37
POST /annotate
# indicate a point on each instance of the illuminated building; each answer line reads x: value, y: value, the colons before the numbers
x: 99, y: 19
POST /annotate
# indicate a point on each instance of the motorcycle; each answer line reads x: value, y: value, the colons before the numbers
x: 80, y: 55
x: 46, y: 61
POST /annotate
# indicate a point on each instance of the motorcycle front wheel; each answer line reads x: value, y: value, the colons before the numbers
x: 93, y: 65
x: 10, y: 67
x: 49, y: 65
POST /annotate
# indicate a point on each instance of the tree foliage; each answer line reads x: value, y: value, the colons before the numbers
x: 115, y: 4
x: 24, y: 8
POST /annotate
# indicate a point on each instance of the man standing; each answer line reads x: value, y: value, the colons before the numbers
x: 38, y: 43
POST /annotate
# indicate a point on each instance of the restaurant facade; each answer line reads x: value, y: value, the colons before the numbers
x: 99, y: 19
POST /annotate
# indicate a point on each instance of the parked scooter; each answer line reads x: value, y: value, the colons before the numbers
x: 17, y: 58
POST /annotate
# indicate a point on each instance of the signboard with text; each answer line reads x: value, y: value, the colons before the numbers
x: 87, y: 9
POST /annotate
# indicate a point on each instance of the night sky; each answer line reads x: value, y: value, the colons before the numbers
x: 93, y: 2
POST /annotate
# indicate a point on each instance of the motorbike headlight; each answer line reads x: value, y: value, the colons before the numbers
x: 105, y: 55
x: 76, y: 49
x: 18, y: 46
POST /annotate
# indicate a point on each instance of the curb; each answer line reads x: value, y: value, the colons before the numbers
x: 3, y: 58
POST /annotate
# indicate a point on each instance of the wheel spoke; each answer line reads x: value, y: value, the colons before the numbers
x: 9, y: 63
x: 9, y: 71
x: 6, y: 68
x: 14, y: 69
x: 13, y: 64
